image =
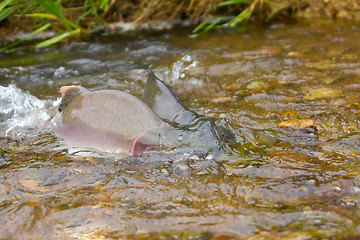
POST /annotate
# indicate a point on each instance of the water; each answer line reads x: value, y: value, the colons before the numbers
x: 276, y: 183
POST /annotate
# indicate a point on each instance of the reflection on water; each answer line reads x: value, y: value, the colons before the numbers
x: 290, y: 92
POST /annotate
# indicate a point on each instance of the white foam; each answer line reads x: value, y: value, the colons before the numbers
x: 179, y: 67
x: 20, y: 111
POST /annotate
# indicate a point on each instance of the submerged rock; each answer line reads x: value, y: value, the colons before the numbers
x: 323, y: 92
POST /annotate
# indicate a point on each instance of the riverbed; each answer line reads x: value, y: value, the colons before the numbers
x: 290, y: 93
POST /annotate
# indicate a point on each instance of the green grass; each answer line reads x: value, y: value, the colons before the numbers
x: 249, y: 6
x: 74, y: 18
x: 50, y: 14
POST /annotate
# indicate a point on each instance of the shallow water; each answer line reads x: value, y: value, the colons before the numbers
x: 290, y: 92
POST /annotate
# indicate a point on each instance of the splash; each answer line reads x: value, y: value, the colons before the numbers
x: 20, y: 112
x: 178, y: 68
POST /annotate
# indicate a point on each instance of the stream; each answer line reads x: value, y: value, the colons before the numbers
x: 290, y: 93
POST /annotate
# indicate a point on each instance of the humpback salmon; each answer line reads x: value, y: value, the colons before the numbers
x: 116, y: 121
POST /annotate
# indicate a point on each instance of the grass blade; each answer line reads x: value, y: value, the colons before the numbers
x: 213, y: 24
x: 39, y: 30
x: 42, y: 15
x: 5, y: 13
x: 245, y: 14
x: 58, y: 38
x: 269, y: 2
x: 275, y: 11
x: 55, y: 8
x: 201, y: 26
x: 209, y: 25
x: 233, y: 2
x: 104, y: 5
x: 4, y: 10
x: 4, y: 4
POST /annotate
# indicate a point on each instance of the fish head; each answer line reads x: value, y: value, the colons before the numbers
x: 68, y: 93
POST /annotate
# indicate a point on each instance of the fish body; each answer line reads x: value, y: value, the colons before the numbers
x: 107, y: 119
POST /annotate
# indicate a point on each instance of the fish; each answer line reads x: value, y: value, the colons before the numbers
x: 117, y: 121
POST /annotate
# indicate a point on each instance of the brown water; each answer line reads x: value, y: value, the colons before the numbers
x: 290, y: 92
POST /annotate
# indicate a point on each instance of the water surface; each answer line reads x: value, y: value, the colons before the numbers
x: 282, y: 180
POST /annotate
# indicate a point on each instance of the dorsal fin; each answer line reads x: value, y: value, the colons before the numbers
x: 68, y: 93
x: 163, y: 102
